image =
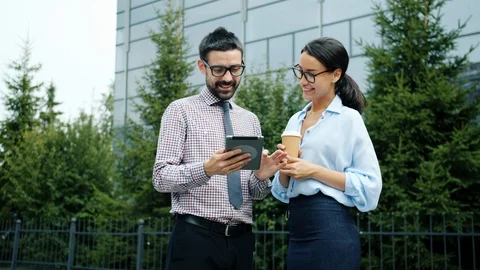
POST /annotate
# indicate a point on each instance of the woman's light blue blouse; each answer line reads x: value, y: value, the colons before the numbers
x: 338, y: 141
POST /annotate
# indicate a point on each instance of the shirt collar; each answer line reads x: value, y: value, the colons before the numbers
x: 335, y: 107
x: 210, y: 99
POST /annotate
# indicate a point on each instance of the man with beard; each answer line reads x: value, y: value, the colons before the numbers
x: 210, y: 231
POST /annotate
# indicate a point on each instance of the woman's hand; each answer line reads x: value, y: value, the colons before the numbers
x: 298, y: 168
x: 282, y: 148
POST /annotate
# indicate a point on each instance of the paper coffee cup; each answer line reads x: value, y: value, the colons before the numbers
x: 291, y: 139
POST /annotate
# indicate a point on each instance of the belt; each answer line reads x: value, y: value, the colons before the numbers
x: 227, y: 230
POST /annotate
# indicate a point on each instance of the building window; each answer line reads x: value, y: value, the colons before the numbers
x: 472, y: 75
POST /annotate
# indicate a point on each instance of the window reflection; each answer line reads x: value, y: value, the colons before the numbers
x: 121, y: 20
x: 339, y: 31
x: 280, y: 18
x: 211, y: 11
x: 280, y: 52
x: 134, y: 78
x: 191, y: 3
x: 363, y: 29
x: 142, y: 53
x: 146, y: 12
x: 120, y: 58
x: 136, y: 3
x: 332, y: 12
x: 256, y: 3
x: 119, y: 92
x: 121, y: 5
x: 256, y: 57
x: 119, y: 113
x: 142, y: 30
x: 357, y: 69
x: 455, y: 11
x: 120, y: 37
x: 132, y: 114
x: 195, y: 33
x: 464, y: 44
x: 301, y: 39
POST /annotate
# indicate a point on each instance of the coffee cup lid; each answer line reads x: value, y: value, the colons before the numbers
x: 291, y: 133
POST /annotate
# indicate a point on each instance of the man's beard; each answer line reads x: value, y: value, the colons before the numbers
x: 223, y: 94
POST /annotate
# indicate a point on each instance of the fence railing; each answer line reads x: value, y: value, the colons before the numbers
x: 389, y: 241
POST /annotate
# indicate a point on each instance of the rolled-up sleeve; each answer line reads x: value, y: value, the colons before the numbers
x: 363, y: 181
x: 279, y: 191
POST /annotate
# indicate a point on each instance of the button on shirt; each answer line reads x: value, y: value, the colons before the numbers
x: 191, y: 131
x: 338, y: 141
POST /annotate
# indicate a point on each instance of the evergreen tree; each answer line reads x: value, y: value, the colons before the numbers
x: 164, y: 82
x: 49, y: 115
x: 422, y: 120
x: 22, y: 105
x: 21, y: 99
x: 106, y: 113
x: 423, y: 128
x: 63, y: 172
x: 51, y: 169
x: 166, y: 78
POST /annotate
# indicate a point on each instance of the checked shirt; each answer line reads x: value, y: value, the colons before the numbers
x: 191, y: 131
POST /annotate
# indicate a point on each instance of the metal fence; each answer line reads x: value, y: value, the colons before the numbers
x: 389, y: 241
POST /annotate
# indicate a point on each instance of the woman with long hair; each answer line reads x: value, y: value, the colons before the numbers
x: 337, y: 167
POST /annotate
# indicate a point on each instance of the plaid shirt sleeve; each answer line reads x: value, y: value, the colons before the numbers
x: 259, y: 189
x: 169, y: 174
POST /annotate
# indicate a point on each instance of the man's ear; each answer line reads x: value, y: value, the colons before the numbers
x: 201, y: 66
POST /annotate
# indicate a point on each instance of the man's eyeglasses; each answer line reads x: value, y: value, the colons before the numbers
x: 298, y: 72
x: 219, y: 71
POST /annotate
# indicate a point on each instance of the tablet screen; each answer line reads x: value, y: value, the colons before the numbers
x: 248, y: 144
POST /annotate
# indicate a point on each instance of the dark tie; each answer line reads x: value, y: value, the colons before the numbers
x: 233, y: 179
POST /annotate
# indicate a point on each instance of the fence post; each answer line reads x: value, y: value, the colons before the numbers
x: 140, y: 237
x: 71, y: 243
x: 16, y: 243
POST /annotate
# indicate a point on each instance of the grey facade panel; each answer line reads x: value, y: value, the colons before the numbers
x: 273, y: 32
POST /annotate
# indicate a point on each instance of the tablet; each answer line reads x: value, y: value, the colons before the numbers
x: 248, y: 144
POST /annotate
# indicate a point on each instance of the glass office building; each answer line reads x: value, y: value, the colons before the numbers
x: 272, y: 31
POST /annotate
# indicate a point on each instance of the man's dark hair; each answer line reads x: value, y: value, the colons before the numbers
x: 219, y: 40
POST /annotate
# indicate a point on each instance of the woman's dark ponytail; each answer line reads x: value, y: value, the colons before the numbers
x: 332, y: 54
x: 350, y: 93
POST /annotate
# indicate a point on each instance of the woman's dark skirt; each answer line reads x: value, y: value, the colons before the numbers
x: 323, y: 235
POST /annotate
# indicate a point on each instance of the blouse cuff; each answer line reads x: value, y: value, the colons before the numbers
x: 350, y: 189
x: 279, y: 191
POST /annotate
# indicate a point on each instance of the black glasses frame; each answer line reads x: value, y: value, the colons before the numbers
x: 310, y: 75
x: 225, y: 69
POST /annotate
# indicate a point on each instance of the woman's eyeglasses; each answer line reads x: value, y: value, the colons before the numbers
x: 299, y: 73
